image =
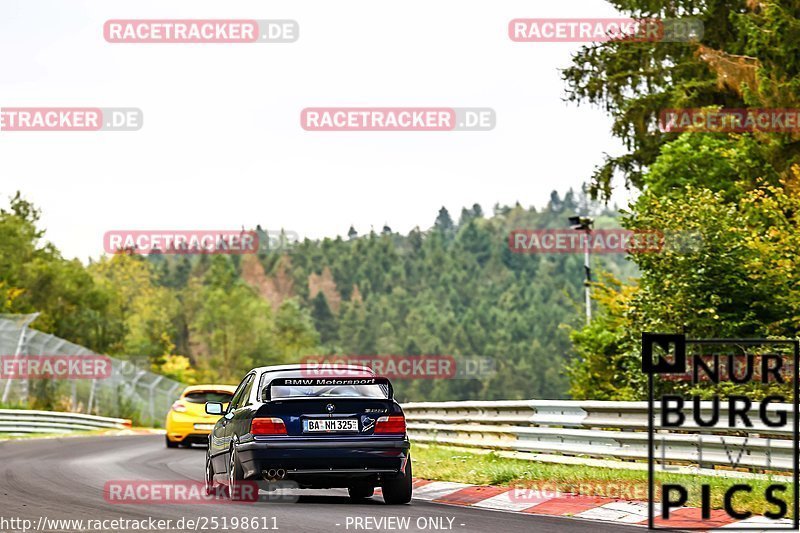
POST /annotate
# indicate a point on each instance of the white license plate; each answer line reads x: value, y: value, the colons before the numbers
x: 204, y: 427
x: 327, y: 425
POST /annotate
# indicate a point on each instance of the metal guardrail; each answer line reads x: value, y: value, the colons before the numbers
x: 565, y: 430
x: 24, y: 421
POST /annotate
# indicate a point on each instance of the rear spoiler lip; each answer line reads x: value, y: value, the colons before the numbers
x: 321, y: 381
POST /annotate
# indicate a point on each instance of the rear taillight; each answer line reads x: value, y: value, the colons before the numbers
x: 395, y: 425
x: 178, y: 407
x: 267, y: 426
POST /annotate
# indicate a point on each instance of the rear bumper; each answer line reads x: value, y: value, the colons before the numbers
x: 191, y: 438
x: 307, y: 459
x: 187, y: 431
x: 182, y: 427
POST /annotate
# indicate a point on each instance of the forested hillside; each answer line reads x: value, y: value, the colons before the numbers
x: 453, y: 288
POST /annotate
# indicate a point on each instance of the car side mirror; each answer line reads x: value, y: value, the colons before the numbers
x: 214, y: 408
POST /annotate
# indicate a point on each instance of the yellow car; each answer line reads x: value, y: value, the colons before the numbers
x: 187, y: 421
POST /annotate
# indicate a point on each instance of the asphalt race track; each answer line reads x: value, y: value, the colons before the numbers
x: 64, y: 478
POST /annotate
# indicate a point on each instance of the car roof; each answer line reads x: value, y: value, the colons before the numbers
x: 314, y: 366
x: 209, y: 388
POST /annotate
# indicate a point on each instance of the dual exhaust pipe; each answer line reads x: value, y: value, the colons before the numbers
x: 274, y: 474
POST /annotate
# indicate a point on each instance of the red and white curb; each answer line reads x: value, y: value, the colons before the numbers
x: 577, y: 506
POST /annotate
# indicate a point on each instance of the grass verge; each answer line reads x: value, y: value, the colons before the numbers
x: 441, y: 463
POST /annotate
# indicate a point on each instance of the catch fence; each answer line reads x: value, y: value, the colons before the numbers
x: 131, y: 391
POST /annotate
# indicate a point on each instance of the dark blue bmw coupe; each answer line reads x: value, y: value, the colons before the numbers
x: 341, y: 429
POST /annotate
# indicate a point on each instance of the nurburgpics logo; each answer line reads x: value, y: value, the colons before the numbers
x: 723, y: 413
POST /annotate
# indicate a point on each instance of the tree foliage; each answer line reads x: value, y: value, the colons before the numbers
x: 747, y: 57
x: 735, y: 194
x: 455, y: 289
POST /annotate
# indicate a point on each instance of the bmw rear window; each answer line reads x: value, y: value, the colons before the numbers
x: 346, y: 391
x: 208, y: 396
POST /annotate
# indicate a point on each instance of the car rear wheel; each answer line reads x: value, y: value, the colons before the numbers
x: 398, y: 491
x: 235, y: 477
x: 171, y: 444
x: 361, y: 491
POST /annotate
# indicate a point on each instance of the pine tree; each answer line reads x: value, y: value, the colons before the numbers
x: 444, y: 223
x: 324, y: 319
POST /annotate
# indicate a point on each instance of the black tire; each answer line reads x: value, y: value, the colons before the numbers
x: 361, y: 491
x: 171, y: 444
x: 398, y: 491
x: 235, y: 477
x: 209, y: 476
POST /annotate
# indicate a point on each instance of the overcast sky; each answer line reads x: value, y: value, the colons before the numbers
x: 222, y: 145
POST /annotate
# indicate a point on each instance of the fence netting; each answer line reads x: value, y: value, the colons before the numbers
x: 130, y: 391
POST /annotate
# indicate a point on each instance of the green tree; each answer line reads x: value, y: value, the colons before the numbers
x: 747, y: 57
x: 324, y: 319
x: 294, y: 331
